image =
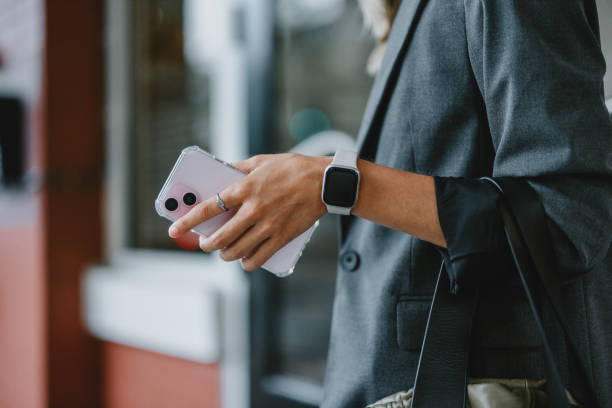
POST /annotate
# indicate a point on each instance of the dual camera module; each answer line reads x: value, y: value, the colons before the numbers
x: 172, y: 204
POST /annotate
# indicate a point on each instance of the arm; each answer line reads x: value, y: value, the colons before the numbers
x: 539, y: 68
x: 400, y: 200
x: 281, y: 198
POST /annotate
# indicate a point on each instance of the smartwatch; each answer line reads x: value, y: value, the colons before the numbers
x: 341, y: 183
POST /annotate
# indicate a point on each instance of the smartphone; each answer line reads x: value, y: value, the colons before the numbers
x: 198, y: 175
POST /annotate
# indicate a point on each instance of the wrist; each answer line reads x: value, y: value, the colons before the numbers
x: 340, y: 186
x: 322, y: 163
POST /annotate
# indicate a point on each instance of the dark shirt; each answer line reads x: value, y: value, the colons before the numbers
x: 477, y: 252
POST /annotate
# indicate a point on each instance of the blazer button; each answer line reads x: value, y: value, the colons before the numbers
x: 350, y: 260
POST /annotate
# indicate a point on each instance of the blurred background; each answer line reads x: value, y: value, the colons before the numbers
x: 98, y: 307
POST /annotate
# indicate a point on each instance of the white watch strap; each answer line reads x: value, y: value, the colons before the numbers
x: 334, y: 209
x: 345, y: 158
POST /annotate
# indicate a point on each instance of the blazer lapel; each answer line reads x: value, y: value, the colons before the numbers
x: 398, y: 39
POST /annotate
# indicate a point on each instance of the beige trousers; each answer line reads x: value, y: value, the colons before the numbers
x: 489, y: 393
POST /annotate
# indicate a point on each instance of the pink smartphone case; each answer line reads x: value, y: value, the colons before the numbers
x: 197, y: 171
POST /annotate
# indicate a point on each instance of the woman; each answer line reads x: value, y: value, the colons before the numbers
x: 466, y: 88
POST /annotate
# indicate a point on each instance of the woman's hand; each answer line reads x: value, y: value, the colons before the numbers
x: 279, y: 199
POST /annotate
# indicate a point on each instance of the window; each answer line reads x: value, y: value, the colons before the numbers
x: 166, y: 90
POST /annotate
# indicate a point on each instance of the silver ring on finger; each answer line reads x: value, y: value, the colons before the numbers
x: 220, y: 202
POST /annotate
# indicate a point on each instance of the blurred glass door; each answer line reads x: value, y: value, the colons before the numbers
x: 314, y: 80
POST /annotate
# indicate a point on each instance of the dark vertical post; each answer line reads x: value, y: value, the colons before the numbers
x: 73, y: 158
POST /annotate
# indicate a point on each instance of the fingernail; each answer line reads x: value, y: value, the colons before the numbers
x: 172, y: 231
x: 203, y: 242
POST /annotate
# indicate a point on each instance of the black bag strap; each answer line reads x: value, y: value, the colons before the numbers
x: 442, y: 371
x: 441, y: 378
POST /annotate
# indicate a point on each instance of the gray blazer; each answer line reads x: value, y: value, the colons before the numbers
x: 473, y: 88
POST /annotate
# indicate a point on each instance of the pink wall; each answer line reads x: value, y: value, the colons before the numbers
x: 22, y: 276
x: 22, y: 372
x: 140, y: 379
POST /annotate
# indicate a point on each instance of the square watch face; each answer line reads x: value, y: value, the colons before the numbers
x: 340, y: 187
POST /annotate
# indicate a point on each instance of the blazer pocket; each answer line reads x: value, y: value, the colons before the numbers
x: 411, y: 315
x: 504, y: 320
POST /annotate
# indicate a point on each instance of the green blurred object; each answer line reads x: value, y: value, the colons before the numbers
x: 307, y: 122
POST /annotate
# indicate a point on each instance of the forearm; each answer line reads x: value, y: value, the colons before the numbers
x: 398, y: 199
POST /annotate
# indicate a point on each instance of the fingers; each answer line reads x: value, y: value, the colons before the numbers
x: 246, y: 243
x: 228, y: 233
x: 204, y: 211
x: 261, y: 254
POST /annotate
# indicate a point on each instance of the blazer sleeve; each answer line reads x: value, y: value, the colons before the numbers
x: 539, y: 67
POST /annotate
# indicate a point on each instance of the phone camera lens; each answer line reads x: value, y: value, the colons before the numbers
x: 171, y: 204
x: 189, y: 199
